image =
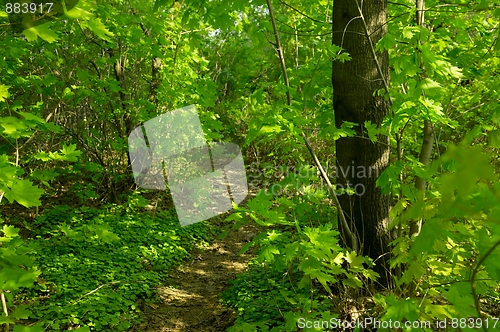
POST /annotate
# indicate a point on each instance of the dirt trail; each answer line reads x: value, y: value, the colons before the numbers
x: 190, y: 301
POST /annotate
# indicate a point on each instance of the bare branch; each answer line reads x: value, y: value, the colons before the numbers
x: 303, y: 14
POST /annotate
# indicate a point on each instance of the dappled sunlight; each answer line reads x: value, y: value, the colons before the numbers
x: 190, y: 297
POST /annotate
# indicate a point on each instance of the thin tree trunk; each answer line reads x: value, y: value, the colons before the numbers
x: 426, y: 149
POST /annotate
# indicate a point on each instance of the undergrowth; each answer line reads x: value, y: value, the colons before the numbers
x: 99, y: 265
x: 301, y: 279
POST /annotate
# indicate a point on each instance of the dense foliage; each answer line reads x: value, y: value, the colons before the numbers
x: 81, y: 248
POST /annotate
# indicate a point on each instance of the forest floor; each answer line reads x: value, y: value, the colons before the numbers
x: 190, y: 298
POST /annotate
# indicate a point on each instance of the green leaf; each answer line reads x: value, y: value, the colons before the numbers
x: 398, y: 208
x: 24, y: 193
x: 82, y: 329
x: 4, y: 93
x: 459, y: 294
x: 106, y: 236
x: 43, y: 156
x: 36, y: 328
x: 344, y: 131
x: 408, y: 32
x: 343, y: 57
x: 80, y: 13
x: 21, y: 312
x: 267, y: 253
x: 8, y: 174
x: 31, y: 117
x: 41, y: 31
x: 372, y: 131
x: 482, y: 5
x: 100, y: 29
x: 30, y: 34
x: 70, y: 153
x: 495, y: 117
x: 438, y: 311
x: 431, y: 87
x: 44, y: 176
x: 386, y: 42
x: 494, y: 138
x: 492, y: 266
x: 414, y: 271
x: 291, y: 251
x: 354, y: 260
x: 260, y: 204
x: 13, y: 126
x: 14, y: 277
x: 9, y: 231
x: 269, y: 129
x: 160, y: 3
x: 398, y: 310
x: 352, y: 281
x: 430, y: 232
x: 390, y: 177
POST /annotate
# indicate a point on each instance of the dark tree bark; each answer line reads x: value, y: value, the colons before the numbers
x: 359, y: 161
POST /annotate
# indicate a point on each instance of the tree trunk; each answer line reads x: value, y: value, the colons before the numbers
x: 359, y: 161
x: 428, y: 141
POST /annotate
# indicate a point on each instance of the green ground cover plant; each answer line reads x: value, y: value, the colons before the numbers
x: 100, y: 264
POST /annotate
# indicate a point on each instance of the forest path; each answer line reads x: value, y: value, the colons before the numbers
x: 190, y: 298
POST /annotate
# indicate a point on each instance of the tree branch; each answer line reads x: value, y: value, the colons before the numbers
x: 352, y: 240
x: 473, y: 285
x: 303, y: 14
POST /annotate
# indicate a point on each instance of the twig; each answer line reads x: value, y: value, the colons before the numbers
x: 351, y: 234
x: 108, y: 284
x: 473, y: 285
x: 372, y: 49
x: 303, y: 14
x: 5, y: 311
